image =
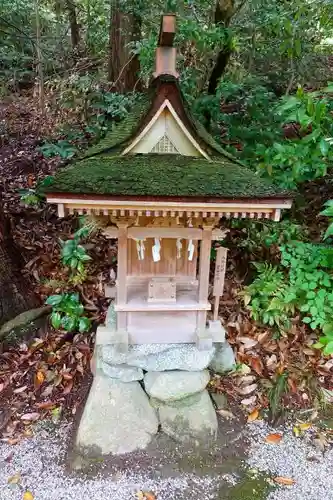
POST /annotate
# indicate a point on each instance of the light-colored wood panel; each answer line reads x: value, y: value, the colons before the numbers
x: 165, y: 232
x: 147, y: 267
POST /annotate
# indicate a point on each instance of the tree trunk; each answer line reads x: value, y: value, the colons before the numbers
x: 123, y: 67
x: 14, y: 290
x: 39, y: 55
x: 75, y: 32
x: 223, y: 13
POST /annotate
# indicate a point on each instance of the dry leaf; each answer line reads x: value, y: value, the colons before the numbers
x: 28, y: 496
x: 20, y: 389
x: 16, y: 479
x: 248, y: 342
x: 247, y: 389
x: 273, y: 438
x: 296, y: 431
x: 2, y: 386
x: 286, y: 481
x: 249, y: 401
x: 68, y: 387
x: 29, y: 417
x: 226, y: 414
x: 256, y: 365
x: 304, y: 426
x: 40, y: 377
x: 149, y: 495
x: 253, y: 415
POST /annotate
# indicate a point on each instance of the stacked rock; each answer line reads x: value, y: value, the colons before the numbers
x: 150, y: 385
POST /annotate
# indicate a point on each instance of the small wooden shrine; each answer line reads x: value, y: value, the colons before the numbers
x: 163, y: 184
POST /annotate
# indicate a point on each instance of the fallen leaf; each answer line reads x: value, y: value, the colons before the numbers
x: 40, y: 377
x: 28, y: 496
x: 20, y: 389
x: 247, y: 389
x: 273, y: 438
x: 46, y: 405
x: 68, y: 387
x: 247, y: 379
x: 149, y: 495
x: 16, y: 479
x: 29, y: 417
x: 2, y: 386
x: 249, y: 401
x: 226, y: 414
x: 286, y: 481
x: 296, y: 431
x: 304, y: 426
x: 253, y: 416
x: 256, y: 365
x: 248, y: 342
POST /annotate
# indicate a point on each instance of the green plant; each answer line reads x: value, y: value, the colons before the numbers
x: 74, y: 255
x: 67, y: 312
x: 30, y: 197
x: 277, y: 390
x: 307, y: 157
x: 310, y: 280
x: 268, y: 297
x: 328, y: 212
x: 62, y: 148
x: 265, y: 233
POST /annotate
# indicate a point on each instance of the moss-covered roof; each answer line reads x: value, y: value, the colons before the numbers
x: 122, y: 133
x: 161, y: 175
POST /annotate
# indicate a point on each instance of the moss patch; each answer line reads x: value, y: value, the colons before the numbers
x: 161, y: 175
x: 251, y: 487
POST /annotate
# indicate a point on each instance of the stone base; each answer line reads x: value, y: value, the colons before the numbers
x: 117, y: 418
x: 192, y: 418
x: 120, y: 418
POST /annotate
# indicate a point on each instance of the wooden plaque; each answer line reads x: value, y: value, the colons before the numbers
x: 162, y: 290
x: 220, y: 267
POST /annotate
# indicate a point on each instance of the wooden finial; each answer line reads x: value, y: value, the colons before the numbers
x: 167, y: 30
x: 166, y: 52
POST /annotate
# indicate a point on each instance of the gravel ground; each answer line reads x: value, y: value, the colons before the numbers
x: 293, y: 457
x: 39, y: 462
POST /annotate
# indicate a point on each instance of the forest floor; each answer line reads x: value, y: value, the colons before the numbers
x: 49, y: 377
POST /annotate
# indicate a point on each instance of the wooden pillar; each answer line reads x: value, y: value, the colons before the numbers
x: 204, y: 267
x: 122, y: 282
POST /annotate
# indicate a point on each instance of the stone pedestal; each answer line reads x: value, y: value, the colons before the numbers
x: 150, y: 385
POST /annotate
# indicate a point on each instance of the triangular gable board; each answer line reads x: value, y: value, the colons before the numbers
x: 166, y: 133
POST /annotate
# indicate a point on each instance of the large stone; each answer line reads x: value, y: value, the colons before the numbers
x: 117, y: 418
x: 224, y: 359
x: 124, y: 373
x: 160, y: 357
x: 174, y: 385
x: 186, y: 423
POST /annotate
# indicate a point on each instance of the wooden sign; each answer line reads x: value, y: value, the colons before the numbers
x: 220, y: 267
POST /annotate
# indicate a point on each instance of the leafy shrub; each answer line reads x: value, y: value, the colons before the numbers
x: 305, y: 158
x: 30, y: 197
x: 74, y: 255
x: 267, y: 297
x: 62, y: 148
x: 67, y: 312
x: 328, y: 212
x: 304, y: 282
x: 265, y: 233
